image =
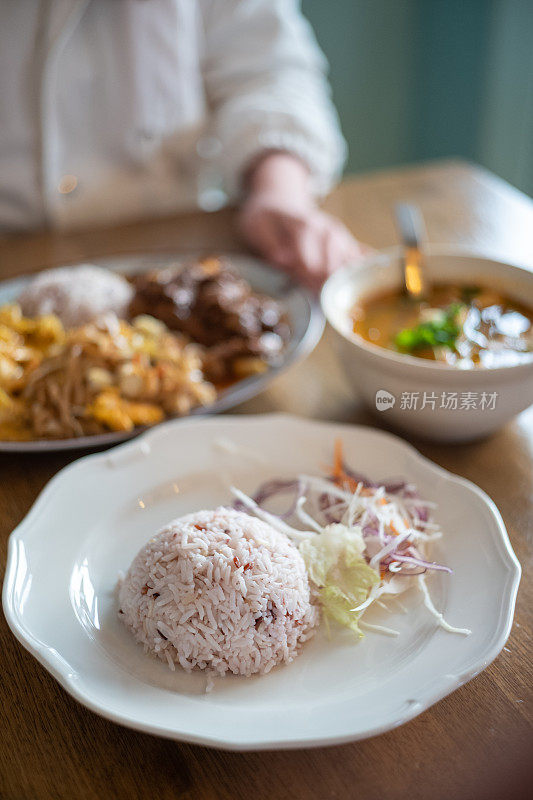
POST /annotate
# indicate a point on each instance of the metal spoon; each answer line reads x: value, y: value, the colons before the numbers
x: 413, y: 232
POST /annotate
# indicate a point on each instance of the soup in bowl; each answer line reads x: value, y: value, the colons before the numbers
x: 453, y: 323
x: 454, y: 366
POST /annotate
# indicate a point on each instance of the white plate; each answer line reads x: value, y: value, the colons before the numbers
x: 93, y: 517
x: 306, y: 322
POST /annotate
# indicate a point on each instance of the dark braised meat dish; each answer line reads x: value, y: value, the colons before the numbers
x: 243, y: 332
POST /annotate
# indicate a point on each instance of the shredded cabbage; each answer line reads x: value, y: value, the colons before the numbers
x: 337, y: 567
x: 361, y: 540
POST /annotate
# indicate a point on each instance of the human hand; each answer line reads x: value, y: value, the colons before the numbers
x: 281, y: 222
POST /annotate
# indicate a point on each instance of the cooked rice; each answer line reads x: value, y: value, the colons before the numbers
x: 219, y: 590
x: 76, y: 294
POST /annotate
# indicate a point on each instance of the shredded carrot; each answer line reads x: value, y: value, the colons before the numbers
x: 338, y: 471
x: 393, y: 529
x: 340, y: 477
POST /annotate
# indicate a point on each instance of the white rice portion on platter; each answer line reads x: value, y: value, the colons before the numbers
x: 221, y: 591
x: 77, y: 295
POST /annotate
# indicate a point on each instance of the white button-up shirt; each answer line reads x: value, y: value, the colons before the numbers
x: 115, y: 109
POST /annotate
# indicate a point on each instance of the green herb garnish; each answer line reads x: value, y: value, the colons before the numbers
x: 434, y: 333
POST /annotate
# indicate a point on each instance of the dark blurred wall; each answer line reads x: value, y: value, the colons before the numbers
x: 368, y: 45
x: 421, y: 79
x: 448, y: 81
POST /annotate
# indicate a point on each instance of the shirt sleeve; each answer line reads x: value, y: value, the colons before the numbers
x: 266, y: 86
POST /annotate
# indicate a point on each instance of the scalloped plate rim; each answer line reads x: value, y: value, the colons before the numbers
x: 70, y: 680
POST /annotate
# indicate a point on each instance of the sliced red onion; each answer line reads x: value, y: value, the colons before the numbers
x: 370, y: 519
x: 325, y: 503
x: 328, y: 506
x: 271, y: 489
x: 369, y: 530
x: 420, y: 562
x: 373, y: 545
x: 407, y: 573
x: 422, y: 513
x: 394, y: 487
x: 391, y: 487
x: 298, y: 494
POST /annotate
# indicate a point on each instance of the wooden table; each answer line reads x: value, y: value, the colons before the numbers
x: 473, y: 745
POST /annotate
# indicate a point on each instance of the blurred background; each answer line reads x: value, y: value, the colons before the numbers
x: 421, y: 79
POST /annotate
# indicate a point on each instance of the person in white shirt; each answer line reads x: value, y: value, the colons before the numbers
x: 111, y: 110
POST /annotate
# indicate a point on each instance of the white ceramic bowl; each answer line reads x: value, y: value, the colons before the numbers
x: 425, y: 398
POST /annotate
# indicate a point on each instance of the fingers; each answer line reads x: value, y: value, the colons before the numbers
x: 311, y: 251
x: 333, y: 248
x: 308, y: 253
x: 265, y: 232
x: 335, y: 252
x: 341, y: 248
x: 310, y: 245
x: 285, y: 241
